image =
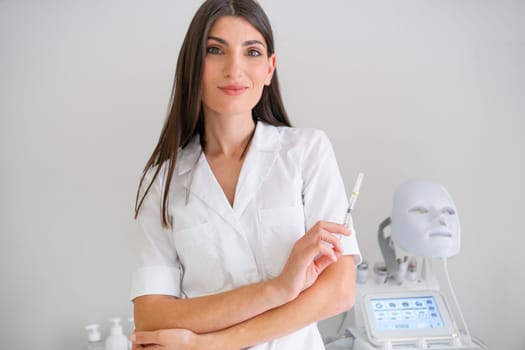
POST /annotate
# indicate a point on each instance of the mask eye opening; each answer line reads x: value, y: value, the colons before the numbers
x: 418, y: 210
x: 448, y: 210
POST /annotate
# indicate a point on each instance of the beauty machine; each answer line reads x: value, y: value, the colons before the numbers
x: 398, y: 302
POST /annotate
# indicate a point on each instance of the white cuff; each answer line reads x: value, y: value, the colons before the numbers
x: 162, y: 280
x: 350, y: 247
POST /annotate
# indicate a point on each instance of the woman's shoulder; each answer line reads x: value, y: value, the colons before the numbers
x: 305, y: 132
x: 302, y: 136
x: 156, y: 175
x: 294, y: 133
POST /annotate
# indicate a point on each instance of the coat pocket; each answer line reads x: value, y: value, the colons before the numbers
x: 201, y: 259
x: 280, y: 229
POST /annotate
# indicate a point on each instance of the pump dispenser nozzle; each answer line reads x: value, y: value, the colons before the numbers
x: 116, y: 340
x: 93, y: 333
x: 116, y: 328
x: 94, y: 337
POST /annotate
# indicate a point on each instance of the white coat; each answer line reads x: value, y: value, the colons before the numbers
x: 289, y: 180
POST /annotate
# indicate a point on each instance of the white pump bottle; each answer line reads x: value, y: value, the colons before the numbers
x: 116, y: 339
x: 94, y: 338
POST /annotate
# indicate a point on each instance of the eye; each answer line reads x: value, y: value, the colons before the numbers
x: 448, y: 210
x: 418, y: 210
x: 213, y: 50
x: 254, y: 53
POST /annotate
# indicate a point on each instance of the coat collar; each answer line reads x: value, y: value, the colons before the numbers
x: 197, y: 177
x: 258, y: 164
x: 266, y: 138
x: 188, y: 156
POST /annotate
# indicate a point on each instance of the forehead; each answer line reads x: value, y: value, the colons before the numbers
x: 235, y: 29
x: 422, y: 194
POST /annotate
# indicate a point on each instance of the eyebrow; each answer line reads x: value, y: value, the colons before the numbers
x: 246, y: 43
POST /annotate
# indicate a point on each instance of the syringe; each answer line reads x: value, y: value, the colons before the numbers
x: 353, y: 199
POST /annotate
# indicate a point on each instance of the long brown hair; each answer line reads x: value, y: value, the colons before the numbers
x: 185, y: 118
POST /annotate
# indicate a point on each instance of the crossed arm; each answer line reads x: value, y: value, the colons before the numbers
x: 309, y: 289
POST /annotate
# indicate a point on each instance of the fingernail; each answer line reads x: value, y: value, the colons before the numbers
x: 132, y: 338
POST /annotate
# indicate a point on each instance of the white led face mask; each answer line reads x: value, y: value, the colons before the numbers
x: 425, y: 220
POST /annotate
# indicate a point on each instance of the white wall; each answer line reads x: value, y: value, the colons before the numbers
x: 403, y: 89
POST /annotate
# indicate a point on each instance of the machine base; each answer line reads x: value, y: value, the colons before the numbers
x: 357, y: 340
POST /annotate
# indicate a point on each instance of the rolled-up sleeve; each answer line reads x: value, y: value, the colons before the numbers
x: 157, y: 270
x: 324, y: 194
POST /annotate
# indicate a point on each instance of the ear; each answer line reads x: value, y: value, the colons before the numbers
x: 271, y: 68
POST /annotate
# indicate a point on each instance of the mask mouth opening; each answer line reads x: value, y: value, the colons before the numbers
x: 440, y: 234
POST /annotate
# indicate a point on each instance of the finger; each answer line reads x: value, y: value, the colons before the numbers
x: 322, y: 263
x: 145, y: 338
x: 324, y: 243
x: 332, y: 239
x: 334, y: 227
x: 327, y: 258
x: 327, y: 251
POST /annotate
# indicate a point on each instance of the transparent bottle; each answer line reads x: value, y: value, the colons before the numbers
x: 116, y: 339
x: 94, y: 338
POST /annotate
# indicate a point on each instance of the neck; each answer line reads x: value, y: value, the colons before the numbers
x: 228, y: 135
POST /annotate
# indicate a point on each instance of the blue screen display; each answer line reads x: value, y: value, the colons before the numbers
x: 406, y: 313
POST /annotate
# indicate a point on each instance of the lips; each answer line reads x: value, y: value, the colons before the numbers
x: 233, y: 89
x: 440, y: 234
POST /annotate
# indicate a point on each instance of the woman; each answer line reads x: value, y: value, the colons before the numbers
x: 237, y: 211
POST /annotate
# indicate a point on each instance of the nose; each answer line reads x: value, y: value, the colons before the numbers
x: 233, y: 67
x: 439, y: 218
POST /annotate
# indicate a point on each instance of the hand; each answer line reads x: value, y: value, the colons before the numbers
x: 169, y: 339
x: 311, y: 254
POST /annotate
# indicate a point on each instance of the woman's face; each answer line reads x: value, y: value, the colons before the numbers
x: 236, y: 67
